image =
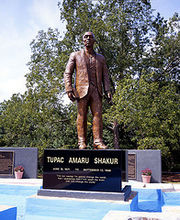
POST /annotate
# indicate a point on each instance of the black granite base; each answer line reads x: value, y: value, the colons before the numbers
x: 82, y: 170
x: 118, y: 196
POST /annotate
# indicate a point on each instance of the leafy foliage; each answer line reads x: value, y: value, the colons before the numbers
x: 149, y: 112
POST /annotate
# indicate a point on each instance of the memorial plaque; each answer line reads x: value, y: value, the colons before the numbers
x: 131, y: 166
x: 93, y: 170
x: 6, y: 162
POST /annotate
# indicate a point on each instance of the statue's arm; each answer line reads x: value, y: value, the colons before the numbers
x: 106, y: 81
x: 68, y: 77
x: 69, y: 72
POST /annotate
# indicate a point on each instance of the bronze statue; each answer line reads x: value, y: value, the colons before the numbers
x: 91, y: 75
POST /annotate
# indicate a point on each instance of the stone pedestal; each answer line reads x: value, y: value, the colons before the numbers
x: 84, y: 173
x: 138, y: 160
x: 11, y: 157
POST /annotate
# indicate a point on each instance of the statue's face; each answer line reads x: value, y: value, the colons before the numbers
x: 88, y: 39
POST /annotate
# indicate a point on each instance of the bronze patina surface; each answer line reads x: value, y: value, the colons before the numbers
x: 91, y: 76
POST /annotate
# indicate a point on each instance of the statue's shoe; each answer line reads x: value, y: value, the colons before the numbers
x: 82, y: 146
x: 100, y: 146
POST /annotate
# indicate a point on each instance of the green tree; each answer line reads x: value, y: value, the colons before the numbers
x: 46, y: 64
x: 163, y: 56
x: 26, y: 123
x: 11, y: 120
x: 150, y: 112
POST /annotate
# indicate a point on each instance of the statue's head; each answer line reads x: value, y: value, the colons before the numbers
x: 89, y: 39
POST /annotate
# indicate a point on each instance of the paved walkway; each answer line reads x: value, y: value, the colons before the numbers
x: 121, y: 215
x: 165, y: 187
x: 26, y: 182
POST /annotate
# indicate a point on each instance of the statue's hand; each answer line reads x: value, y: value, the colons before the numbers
x: 71, y: 96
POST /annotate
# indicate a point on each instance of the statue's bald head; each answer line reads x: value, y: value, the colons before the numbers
x: 89, y: 39
x: 89, y: 33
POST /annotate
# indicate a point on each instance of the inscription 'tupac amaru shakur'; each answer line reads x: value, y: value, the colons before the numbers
x: 91, y: 76
x: 84, y: 160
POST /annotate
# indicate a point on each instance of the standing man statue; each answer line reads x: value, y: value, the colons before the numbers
x: 91, y: 74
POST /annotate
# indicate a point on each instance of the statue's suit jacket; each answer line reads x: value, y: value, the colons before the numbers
x: 77, y: 61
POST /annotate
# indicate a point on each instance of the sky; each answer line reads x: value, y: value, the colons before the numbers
x: 20, y: 21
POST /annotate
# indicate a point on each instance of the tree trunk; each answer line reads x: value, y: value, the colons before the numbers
x: 116, y: 134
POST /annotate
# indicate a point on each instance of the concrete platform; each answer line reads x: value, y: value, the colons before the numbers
x: 121, y: 196
x: 165, y: 187
x: 123, y: 215
x: 25, y: 182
